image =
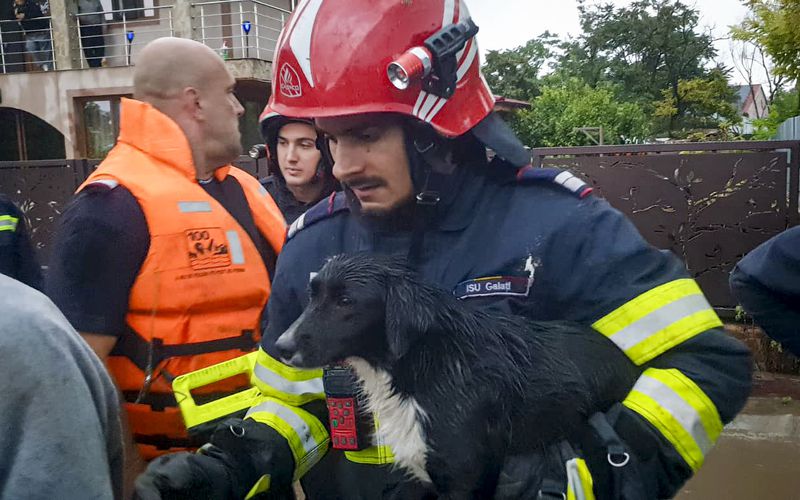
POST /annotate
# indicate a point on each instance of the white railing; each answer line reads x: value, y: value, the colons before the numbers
x: 116, y: 40
x: 239, y: 29
x: 18, y: 47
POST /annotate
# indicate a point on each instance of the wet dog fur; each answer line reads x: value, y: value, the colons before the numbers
x: 456, y: 389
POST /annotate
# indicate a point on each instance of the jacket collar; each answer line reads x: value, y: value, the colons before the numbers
x: 149, y: 130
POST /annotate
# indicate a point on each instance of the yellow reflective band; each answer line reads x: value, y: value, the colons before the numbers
x: 307, y: 437
x: 658, y: 320
x: 8, y: 223
x: 680, y: 410
x: 261, y: 486
x: 380, y: 454
x: 579, y: 480
x: 195, y: 414
x: 374, y: 455
x: 293, y: 385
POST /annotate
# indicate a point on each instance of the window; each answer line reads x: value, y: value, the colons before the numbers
x: 98, y: 125
x: 143, y: 9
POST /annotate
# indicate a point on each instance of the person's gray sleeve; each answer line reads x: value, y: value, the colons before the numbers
x: 59, y: 414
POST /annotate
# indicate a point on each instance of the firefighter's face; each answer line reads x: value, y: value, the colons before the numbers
x: 370, y: 158
x: 298, y: 156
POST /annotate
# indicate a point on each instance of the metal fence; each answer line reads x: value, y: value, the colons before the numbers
x: 708, y: 203
x: 21, y: 50
x: 239, y: 29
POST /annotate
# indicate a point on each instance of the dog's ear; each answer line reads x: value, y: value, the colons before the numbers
x: 408, y: 315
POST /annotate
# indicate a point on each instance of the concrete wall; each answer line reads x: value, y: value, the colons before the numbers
x: 50, y: 95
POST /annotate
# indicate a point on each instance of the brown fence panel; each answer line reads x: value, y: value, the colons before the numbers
x: 709, y: 204
x: 41, y: 189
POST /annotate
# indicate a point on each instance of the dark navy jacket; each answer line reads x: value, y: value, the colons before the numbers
x: 766, y: 283
x: 549, y: 254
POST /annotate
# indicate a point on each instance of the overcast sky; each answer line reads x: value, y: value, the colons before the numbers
x: 520, y: 20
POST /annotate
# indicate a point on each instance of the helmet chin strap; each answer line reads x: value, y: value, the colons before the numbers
x: 431, y: 183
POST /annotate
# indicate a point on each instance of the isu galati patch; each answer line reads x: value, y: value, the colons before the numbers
x: 208, y: 248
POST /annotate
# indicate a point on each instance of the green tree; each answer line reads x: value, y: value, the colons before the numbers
x: 703, y: 102
x: 783, y: 107
x: 643, y: 49
x: 560, y: 110
x: 515, y: 73
x: 773, y: 25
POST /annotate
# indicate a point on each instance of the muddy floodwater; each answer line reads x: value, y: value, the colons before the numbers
x: 758, y: 456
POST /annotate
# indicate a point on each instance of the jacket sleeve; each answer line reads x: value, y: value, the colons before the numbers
x: 291, y: 404
x: 766, y: 283
x: 695, y: 378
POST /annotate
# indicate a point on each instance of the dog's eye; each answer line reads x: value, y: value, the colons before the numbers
x: 344, y: 300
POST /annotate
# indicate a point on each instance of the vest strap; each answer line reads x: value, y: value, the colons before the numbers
x: 147, y: 355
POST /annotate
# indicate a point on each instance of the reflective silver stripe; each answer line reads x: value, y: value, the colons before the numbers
x: 111, y: 183
x: 300, y: 388
x: 263, y: 190
x: 681, y: 411
x: 297, y: 225
x: 295, y: 422
x: 235, y: 245
x: 194, y: 207
x: 649, y: 325
x: 8, y: 223
x: 574, y: 479
x: 569, y: 181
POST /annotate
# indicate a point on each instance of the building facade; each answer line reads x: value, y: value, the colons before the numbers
x: 68, y: 107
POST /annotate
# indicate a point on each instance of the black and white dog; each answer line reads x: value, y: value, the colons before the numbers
x: 456, y: 390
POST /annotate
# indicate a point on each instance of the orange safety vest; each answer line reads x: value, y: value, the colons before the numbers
x: 200, y: 293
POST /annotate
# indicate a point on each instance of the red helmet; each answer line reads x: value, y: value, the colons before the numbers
x: 417, y: 58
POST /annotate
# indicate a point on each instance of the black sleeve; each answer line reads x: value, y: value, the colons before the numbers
x: 99, y: 247
x: 767, y: 284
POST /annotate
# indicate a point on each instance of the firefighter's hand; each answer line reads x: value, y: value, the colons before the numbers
x: 185, y: 475
x: 241, y: 453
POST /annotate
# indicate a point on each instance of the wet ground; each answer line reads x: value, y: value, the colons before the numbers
x: 758, y: 456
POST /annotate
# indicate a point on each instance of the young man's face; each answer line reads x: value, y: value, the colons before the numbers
x: 370, y: 158
x: 298, y: 156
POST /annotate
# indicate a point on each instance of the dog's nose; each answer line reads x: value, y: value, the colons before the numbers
x: 285, y: 346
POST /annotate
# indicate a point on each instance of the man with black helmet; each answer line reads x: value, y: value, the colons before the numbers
x: 396, y: 89
x: 300, y: 175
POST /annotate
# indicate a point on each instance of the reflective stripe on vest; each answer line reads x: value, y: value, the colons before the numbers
x: 306, y: 435
x: 658, y: 320
x: 680, y: 410
x: 579, y: 480
x: 8, y: 223
x: 293, y: 385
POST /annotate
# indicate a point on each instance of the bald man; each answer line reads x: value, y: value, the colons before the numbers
x: 163, y: 259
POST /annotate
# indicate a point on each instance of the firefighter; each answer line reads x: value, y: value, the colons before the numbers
x: 766, y: 282
x: 300, y: 175
x: 17, y: 257
x: 163, y: 259
x: 396, y: 89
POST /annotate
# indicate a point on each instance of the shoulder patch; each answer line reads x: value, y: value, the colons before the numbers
x: 563, y: 178
x: 325, y: 208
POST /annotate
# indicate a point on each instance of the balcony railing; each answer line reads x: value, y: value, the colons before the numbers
x: 116, y: 40
x: 239, y: 29
x: 21, y: 50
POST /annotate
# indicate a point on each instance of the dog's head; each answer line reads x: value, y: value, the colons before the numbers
x: 360, y: 305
